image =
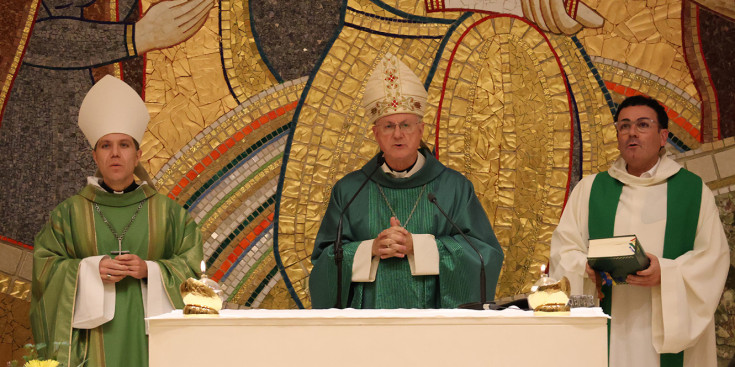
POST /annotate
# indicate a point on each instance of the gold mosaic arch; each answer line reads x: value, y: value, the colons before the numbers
x: 598, y: 140
x: 642, y: 36
x: 193, y: 113
x: 505, y: 123
x: 185, y: 86
x: 230, y: 172
x: 246, y: 70
x: 649, y: 50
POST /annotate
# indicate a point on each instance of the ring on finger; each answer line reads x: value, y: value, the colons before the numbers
x: 109, y: 276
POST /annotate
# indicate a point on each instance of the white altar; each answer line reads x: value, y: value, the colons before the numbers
x: 379, y: 338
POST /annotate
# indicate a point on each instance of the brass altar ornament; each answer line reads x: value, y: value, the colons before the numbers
x: 201, y: 297
x: 550, y: 295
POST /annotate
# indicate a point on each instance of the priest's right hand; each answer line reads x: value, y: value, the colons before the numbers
x: 111, y: 271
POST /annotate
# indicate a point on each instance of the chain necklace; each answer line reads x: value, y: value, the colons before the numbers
x: 410, y: 215
x: 125, y: 230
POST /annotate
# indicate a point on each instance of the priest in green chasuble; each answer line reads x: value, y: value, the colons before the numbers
x: 399, y: 250
x: 664, y: 315
x: 114, y: 253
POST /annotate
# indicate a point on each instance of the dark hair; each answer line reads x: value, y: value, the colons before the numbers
x: 640, y: 100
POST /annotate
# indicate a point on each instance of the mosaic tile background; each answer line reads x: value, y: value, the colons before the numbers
x: 256, y: 115
x: 725, y: 316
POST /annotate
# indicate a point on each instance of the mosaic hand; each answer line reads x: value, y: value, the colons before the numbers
x: 168, y: 23
x: 553, y: 16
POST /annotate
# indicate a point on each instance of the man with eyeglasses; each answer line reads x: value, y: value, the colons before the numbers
x: 399, y: 251
x: 664, y: 315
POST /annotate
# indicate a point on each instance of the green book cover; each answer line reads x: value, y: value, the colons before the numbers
x: 618, y: 256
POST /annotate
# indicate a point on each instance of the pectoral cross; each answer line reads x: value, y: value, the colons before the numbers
x: 119, y: 248
x: 125, y: 230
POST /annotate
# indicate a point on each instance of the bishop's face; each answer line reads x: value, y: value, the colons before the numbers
x: 116, y: 158
x: 399, y: 136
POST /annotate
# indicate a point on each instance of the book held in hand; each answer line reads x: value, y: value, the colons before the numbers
x: 618, y: 256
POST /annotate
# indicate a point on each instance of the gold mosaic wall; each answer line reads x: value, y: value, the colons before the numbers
x: 504, y: 123
x: 500, y: 91
x: 254, y: 158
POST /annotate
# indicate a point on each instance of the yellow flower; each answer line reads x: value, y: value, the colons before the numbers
x: 37, y: 363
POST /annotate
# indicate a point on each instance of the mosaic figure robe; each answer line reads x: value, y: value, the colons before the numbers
x: 646, y: 321
x: 43, y: 105
x: 163, y: 234
x: 392, y: 284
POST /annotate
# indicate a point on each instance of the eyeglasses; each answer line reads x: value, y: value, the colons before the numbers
x: 643, y: 124
x: 405, y: 127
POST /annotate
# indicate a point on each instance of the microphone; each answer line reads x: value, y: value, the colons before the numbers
x: 338, y: 251
x: 483, y: 304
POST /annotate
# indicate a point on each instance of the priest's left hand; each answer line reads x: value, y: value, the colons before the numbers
x: 595, y: 277
x: 137, y: 268
x: 649, y: 277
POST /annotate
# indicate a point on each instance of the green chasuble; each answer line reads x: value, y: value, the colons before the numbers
x: 162, y: 232
x: 683, y: 200
x: 369, y: 214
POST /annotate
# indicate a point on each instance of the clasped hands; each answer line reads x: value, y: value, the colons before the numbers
x: 394, y: 241
x: 114, y: 270
x: 648, y: 277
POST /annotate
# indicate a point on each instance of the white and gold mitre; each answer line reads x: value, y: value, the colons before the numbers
x: 112, y: 106
x: 393, y: 88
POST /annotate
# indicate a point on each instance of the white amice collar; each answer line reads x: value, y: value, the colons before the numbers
x: 665, y: 168
x: 420, y: 160
x: 95, y: 181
